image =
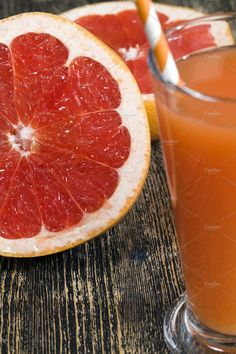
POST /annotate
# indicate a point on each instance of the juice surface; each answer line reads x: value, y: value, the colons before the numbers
x: 199, y: 142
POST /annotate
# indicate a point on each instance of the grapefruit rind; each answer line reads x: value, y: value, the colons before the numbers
x: 221, y: 31
x: 132, y: 174
x: 113, y: 7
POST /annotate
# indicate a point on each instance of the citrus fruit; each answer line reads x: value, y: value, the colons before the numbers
x: 118, y: 25
x: 71, y: 160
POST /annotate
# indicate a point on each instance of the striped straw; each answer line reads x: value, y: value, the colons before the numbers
x: 158, y: 42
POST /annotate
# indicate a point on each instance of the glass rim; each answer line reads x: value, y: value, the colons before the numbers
x: 185, y: 89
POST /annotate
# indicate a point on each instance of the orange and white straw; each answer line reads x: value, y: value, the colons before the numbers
x: 158, y: 42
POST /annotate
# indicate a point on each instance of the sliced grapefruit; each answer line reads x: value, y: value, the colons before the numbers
x: 72, y: 161
x: 117, y: 23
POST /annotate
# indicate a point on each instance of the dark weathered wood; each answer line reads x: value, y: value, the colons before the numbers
x: 109, y: 295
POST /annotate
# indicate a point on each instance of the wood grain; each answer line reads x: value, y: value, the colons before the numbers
x: 109, y: 295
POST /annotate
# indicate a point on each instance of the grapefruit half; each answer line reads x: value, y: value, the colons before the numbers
x: 71, y: 160
x: 117, y: 23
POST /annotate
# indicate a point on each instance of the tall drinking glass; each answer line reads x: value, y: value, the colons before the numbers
x: 198, y: 135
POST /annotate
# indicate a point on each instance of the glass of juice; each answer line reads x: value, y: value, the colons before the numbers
x: 198, y: 136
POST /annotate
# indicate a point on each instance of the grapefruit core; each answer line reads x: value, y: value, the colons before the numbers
x: 117, y: 23
x: 71, y: 161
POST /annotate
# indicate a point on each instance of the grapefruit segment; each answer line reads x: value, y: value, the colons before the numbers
x: 89, y: 182
x: 9, y: 162
x: 35, y: 53
x: 35, y: 58
x: 132, y: 26
x: 98, y: 136
x: 184, y: 43
x: 86, y: 86
x: 7, y: 106
x: 94, y: 86
x: 19, y: 213
x: 71, y: 162
x: 57, y: 102
x: 108, y: 28
x: 57, y: 208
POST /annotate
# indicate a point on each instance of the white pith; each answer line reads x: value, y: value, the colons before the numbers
x: 134, y: 171
x: 27, y: 132
x: 130, y: 54
x: 24, y: 135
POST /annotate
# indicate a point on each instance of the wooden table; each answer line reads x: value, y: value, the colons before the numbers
x: 109, y: 295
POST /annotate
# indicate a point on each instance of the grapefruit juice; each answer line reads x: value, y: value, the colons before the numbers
x: 198, y: 133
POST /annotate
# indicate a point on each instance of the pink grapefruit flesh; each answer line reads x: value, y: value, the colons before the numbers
x: 69, y: 165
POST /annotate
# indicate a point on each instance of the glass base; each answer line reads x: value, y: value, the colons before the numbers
x: 184, y: 334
